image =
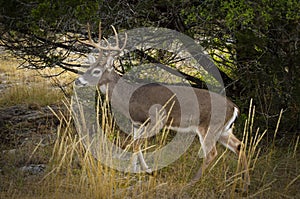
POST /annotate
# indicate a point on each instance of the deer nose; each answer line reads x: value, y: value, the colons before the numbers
x: 80, y: 82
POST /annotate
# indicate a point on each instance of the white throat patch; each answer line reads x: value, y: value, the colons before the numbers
x: 103, y: 89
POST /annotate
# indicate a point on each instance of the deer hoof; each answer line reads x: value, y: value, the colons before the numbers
x: 150, y: 172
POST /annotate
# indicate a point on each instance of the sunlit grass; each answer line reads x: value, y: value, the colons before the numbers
x: 76, y: 170
x: 35, y: 94
x: 24, y: 86
x: 73, y: 172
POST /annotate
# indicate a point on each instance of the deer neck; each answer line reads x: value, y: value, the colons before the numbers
x: 118, y: 90
x: 112, y: 84
x: 108, y: 81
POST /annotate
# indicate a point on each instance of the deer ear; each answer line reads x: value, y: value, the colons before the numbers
x: 91, y: 59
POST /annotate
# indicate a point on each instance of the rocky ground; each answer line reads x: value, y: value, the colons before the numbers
x: 26, y: 126
x: 27, y: 134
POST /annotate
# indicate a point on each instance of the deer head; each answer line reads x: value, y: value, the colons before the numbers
x: 103, y: 63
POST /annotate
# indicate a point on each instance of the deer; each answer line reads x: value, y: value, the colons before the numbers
x: 186, y: 112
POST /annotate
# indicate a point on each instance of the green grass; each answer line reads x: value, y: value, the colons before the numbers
x: 73, y: 172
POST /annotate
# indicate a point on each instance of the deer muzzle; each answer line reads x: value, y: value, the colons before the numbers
x: 81, y: 82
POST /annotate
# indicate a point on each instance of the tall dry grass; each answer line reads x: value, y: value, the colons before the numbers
x: 75, y: 170
x: 24, y: 86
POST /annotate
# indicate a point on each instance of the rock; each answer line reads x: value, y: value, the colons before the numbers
x: 11, y: 151
x: 23, y: 123
x: 33, y: 169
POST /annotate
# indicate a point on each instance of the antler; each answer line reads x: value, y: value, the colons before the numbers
x: 109, y: 47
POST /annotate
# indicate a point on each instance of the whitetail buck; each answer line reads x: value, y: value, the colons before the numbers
x: 208, y: 114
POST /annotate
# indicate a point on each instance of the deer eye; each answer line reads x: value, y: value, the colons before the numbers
x: 96, y: 72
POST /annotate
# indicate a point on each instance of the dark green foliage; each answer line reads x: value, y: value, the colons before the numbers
x: 263, y: 39
x: 254, y: 43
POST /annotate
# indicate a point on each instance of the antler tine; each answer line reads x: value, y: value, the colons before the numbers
x: 90, y: 42
x: 109, y: 47
x: 116, y: 36
x: 117, y: 39
x: 125, y: 42
x: 89, y: 33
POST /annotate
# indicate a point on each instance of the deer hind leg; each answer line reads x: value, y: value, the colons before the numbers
x: 137, y: 152
x: 139, y: 157
x: 209, y: 153
x: 231, y: 142
x: 206, y: 162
